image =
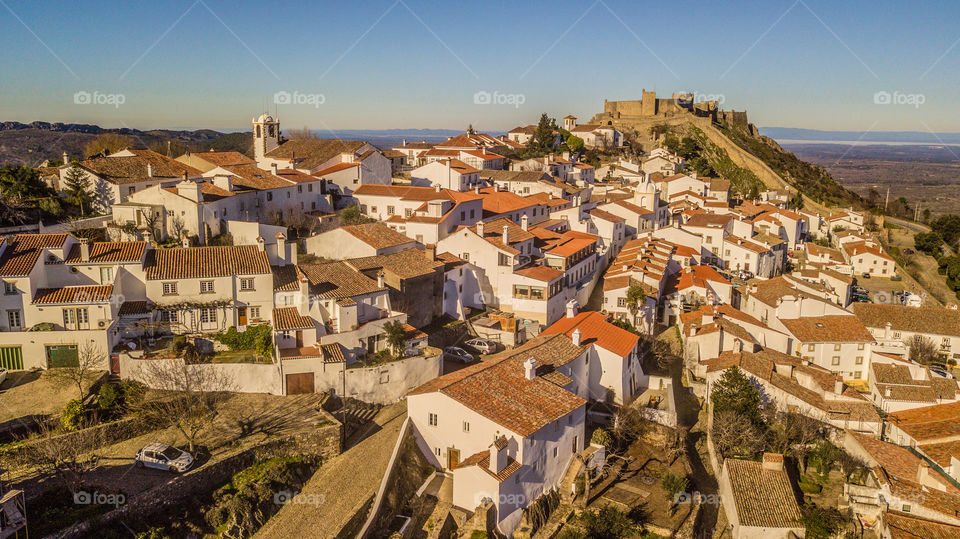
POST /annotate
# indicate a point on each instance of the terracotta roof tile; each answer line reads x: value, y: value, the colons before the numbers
x: 931, y: 320
x: 199, y: 262
x: 287, y: 318
x: 73, y: 294
x: 763, y: 497
x: 595, y: 329
x: 21, y: 254
x: 377, y: 235
x: 109, y: 252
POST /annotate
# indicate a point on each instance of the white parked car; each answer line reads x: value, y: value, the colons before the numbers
x: 457, y: 354
x: 163, y: 457
x: 482, y: 345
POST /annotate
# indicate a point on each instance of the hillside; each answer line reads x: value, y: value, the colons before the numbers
x: 31, y: 144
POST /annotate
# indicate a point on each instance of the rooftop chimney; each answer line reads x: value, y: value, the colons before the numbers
x: 480, y: 228
x: 923, y: 470
x: 572, y: 307
x: 85, y: 249
x: 886, y: 331
x: 530, y: 368
x: 404, y: 142
x: 380, y: 279
x: 577, y: 337
x: 260, y: 243
x: 145, y: 235
x: 149, y: 170
x: 66, y: 158
x: 773, y: 461
x: 524, y: 222
x: 838, y: 386
x: 189, y: 190
x: 276, y: 168
x: 886, y: 392
x: 506, y: 235
x: 184, y: 240
x: 281, y: 246
x: 430, y: 252
x: 437, y: 188
x: 498, y: 454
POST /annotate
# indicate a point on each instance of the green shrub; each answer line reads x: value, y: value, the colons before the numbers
x: 258, y: 338
x: 673, y: 484
x: 110, y: 397
x: 73, y: 415
x: 602, y: 437
x: 809, y: 488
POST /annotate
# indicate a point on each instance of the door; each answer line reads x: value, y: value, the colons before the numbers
x: 241, y: 316
x: 11, y: 358
x: 453, y: 458
x: 300, y: 384
x: 299, y: 338
x: 64, y: 355
x: 115, y: 364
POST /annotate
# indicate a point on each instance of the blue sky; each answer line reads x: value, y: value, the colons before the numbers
x: 419, y: 64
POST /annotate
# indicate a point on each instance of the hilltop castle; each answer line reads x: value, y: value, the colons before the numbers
x: 641, y: 112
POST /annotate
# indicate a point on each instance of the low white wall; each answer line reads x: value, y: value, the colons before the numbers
x: 383, y: 384
x: 33, y: 344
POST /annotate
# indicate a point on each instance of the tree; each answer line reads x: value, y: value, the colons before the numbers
x: 302, y: 134
x: 822, y: 522
x: 948, y: 226
x: 13, y: 208
x: 736, y: 435
x: 193, y: 403
x: 607, y: 523
x: 796, y: 202
x: 89, y: 359
x: 635, y: 298
x: 574, y: 143
x: 68, y: 457
x: 544, y: 138
x: 734, y: 393
x: 928, y: 242
x: 177, y: 227
x: 673, y: 485
x: 396, y: 336
x: 77, y: 187
x: 106, y: 144
x: 923, y: 350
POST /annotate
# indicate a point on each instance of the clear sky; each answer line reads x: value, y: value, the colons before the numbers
x: 420, y: 64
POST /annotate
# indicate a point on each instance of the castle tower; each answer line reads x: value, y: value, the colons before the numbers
x: 266, y: 135
x: 648, y: 103
x: 569, y: 122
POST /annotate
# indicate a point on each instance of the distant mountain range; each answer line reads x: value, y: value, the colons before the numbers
x: 33, y: 143
x: 880, y: 137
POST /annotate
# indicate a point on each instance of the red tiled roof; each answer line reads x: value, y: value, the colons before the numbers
x: 929, y: 422
x: 285, y: 318
x: 73, y: 294
x: 763, y: 497
x: 594, y: 328
x: 482, y: 459
x: 113, y: 251
x: 698, y: 276
x: 21, y: 254
x: 544, y: 274
x: 198, y: 262
x: 377, y: 235
x: 828, y: 328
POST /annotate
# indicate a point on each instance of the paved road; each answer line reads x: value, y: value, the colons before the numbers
x: 911, y: 225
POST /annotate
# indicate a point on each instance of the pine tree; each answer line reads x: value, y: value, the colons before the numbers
x: 543, y: 140
x: 76, y: 187
x: 733, y: 392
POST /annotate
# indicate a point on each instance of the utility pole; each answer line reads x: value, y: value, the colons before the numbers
x: 887, y: 201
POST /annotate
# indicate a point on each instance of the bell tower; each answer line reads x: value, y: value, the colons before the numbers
x: 266, y: 135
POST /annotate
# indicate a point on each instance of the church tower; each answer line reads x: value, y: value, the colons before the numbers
x: 266, y: 135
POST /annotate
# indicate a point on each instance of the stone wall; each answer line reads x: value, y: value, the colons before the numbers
x: 105, y: 434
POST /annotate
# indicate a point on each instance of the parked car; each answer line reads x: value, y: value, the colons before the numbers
x: 866, y: 275
x: 3, y: 375
x: 940, y: 371
x: 163, y: 457
x: 457, y: 354
x: 482, y: 345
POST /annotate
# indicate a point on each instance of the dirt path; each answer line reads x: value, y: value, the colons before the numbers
x: 922, y: 269
x: 342, y: 485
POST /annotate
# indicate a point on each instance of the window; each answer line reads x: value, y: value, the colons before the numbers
x: 77, y: 318
x: 906, y: 508
x: 810, y: 347
x: 836, y: 360
x: 9, y: 288
x: 465, y: 257
x: 254, y: 312
x: 13, y: 319
x: 106, y: 275
x: 407, y: 212
x: 836, y: 348
x: 857, y: 375
x: 420, y: 238
x: 269, y: 196
x: 860, y: 346
x: 437, y: 451
x: 466, y: 426
x: 206, y: 287
x: 373, y: 209
x: 170, y: 316
x: 433, y: 420
x: 169, y: 289
x: 859, y: 360
x: 504, y: 259
x: 208, y: 315
x: 131, y: 190
x: 390, y: 210
x: 246, y: 283
x: 556, y: 452
x: 621, y: 302
x: 896, y: 334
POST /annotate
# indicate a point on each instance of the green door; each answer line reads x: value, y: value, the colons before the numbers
x: 62, y: 355
x: 11, y: 358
